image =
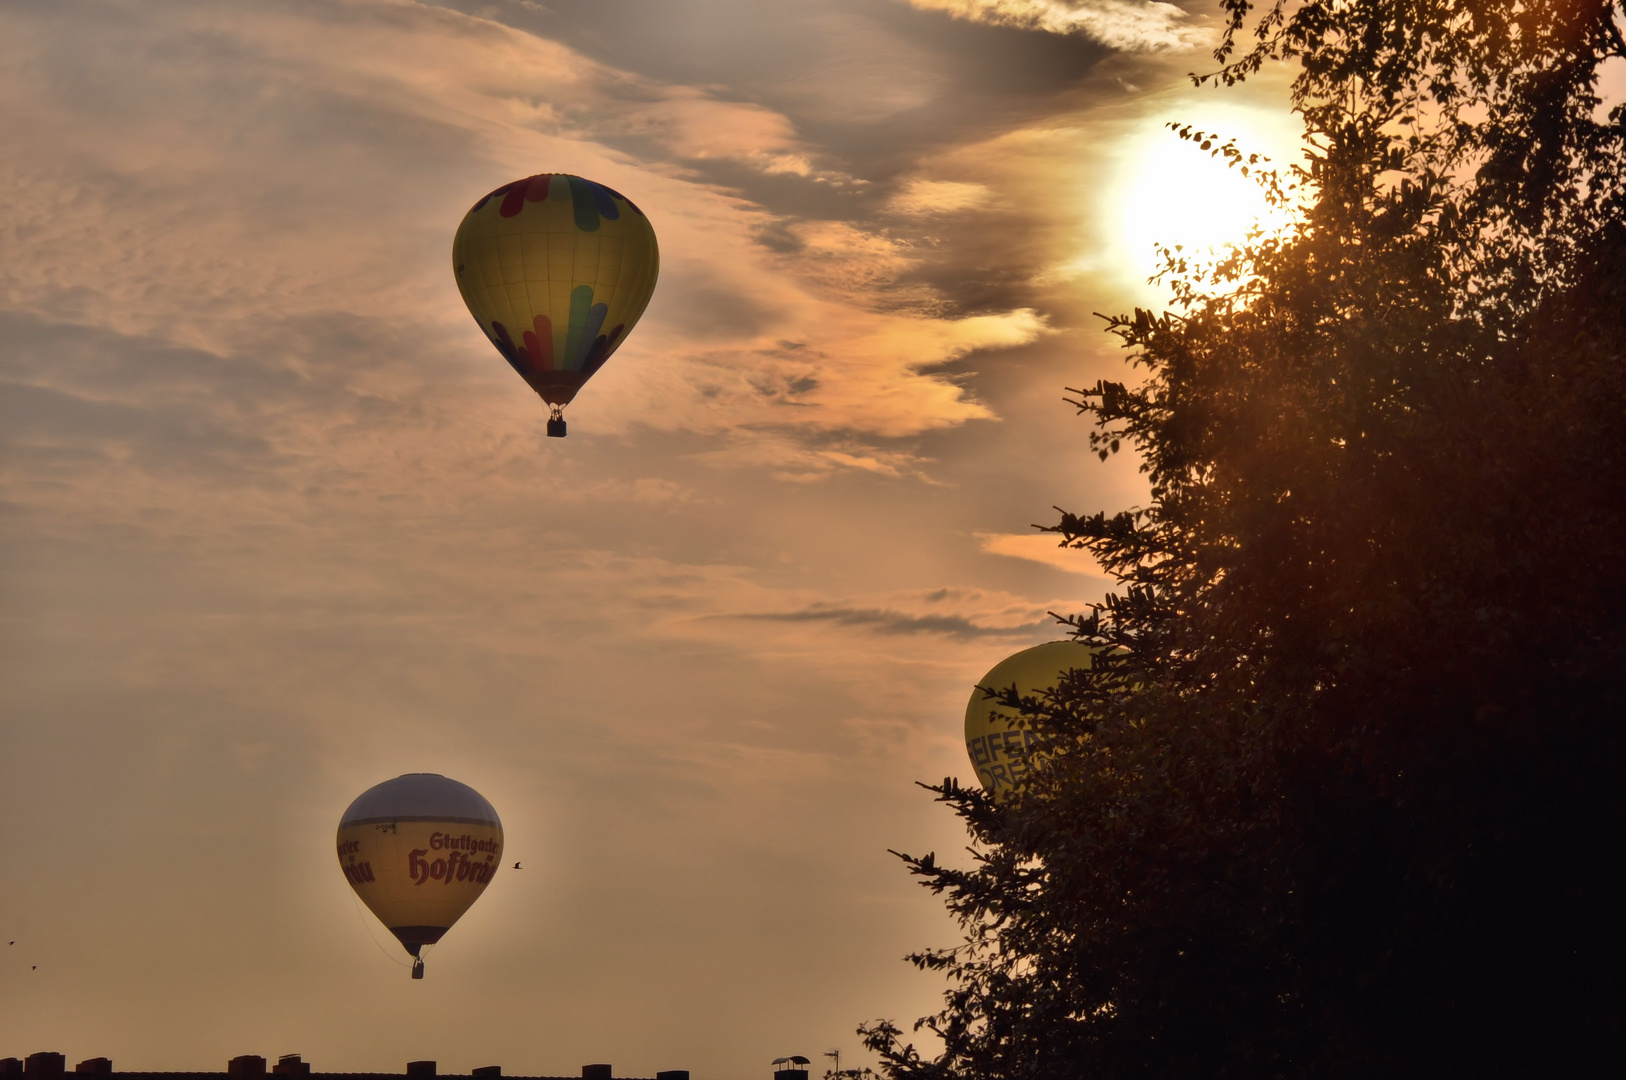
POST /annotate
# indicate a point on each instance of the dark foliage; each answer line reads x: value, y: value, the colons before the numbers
x: 1349, y: 795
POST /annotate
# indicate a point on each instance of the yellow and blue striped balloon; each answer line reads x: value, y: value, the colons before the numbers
x: 556, y: 269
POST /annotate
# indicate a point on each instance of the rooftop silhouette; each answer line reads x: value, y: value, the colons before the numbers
x: 53, y: 1066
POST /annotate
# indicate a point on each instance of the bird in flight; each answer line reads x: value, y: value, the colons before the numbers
x: 516, y: 866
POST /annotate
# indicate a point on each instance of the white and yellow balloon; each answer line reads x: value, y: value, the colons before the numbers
x: 419, y: 850
x: 1001, y: 750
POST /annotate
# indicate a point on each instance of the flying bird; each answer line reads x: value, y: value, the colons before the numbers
x: 516, y: 866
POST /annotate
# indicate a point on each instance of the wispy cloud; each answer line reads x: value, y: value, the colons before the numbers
x: 1040, y: 548
x: 938, y: 197
x: 1130, y: 25
x: 895, y: 622
x: 951, y: 612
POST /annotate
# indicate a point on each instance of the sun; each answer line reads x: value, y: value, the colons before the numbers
x: 1171, y: 192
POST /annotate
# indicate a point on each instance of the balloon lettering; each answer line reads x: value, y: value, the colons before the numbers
x: 456, y: 866
x: 1004, y: 750
x: 357, y: 873
x: 397, y: 835
x: 446, y: 841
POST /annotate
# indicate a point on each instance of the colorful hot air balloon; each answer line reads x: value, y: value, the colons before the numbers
x: 419, y: 850
x: 556, y: 270
x: 1001, y: 751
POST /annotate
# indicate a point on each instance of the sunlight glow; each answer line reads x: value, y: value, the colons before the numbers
x: 1174, y: 193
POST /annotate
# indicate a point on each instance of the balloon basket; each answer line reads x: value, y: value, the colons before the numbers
x: 417, y: 967
x: 556, y: 427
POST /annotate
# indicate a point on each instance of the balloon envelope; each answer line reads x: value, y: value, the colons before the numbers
x: 1001, y: 751
x: 556, y: 269
x: 419, y: 850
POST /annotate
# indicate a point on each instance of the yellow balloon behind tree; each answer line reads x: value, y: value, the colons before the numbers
x: 1003, y: 752
x: 419, y: 850
x: 557, y: 270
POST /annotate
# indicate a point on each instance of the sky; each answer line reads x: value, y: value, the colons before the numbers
x: 277, y: 523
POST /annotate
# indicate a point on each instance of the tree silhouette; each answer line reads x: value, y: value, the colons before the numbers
x: 1345, y: 797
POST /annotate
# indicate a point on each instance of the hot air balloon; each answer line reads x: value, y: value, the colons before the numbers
x: 556, y: 270
x: 1001, y: 751
x: 419, y: 850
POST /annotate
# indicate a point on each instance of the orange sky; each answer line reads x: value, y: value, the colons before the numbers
x: 276, y: 523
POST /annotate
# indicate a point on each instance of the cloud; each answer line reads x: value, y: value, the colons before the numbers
x: 937, y: 197
x: 1129, y: 25
x: 962, y: 613
x: 792, y: 457
x: 894, y: 622
x: 1039, y: 548
x: 297, y: 204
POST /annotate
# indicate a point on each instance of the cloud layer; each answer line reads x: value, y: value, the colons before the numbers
x: 1137, y: 25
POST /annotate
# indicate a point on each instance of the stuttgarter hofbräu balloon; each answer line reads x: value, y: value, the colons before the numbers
x: 556, y: 270
x: 419, y: 850
x: 1001, y: 750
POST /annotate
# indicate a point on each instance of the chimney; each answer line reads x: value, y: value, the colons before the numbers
x: 45, y: 1066
x: 291, y: 1065
x: 246, y: 1067
x: 790, y: 1067
x: 95, y: 1067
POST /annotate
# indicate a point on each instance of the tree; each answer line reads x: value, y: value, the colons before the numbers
x: 1346, y: 796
